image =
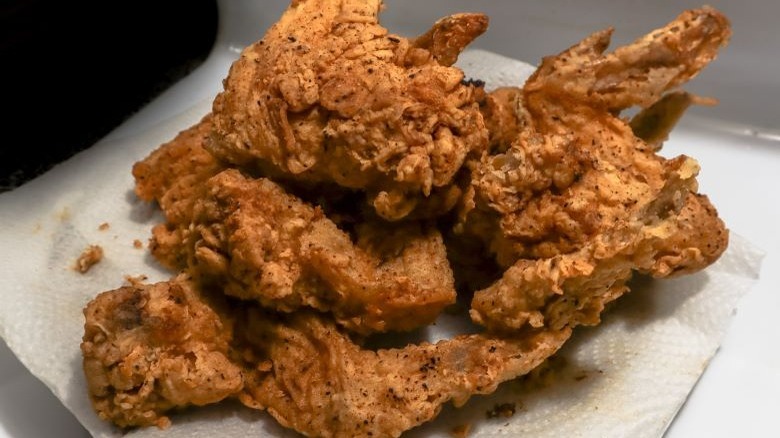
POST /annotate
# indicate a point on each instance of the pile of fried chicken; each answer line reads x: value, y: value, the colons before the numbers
x: 350, y: 182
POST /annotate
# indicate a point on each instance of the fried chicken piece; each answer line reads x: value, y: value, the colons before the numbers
x: 501, y: 110
x: 259, y: 242
x: 579, y: 202
x: 148, y: 349
x: 322, y: 384
x: 328, y: 96
x: 571, y: 289
x: 174, y: 175
x: 635, y: 74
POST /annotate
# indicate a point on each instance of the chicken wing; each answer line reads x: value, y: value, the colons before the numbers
x: 328, y: 95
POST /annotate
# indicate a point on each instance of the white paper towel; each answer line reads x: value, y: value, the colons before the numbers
x: 626, y: 377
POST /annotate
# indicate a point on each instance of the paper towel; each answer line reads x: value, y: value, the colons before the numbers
x: 625, y: 377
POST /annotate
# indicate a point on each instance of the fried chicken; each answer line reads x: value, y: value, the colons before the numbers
x: 280, y: 281
x: 329, y: 96
x: 322, y: 384
x: 262, y: 243
x: 174, y: 176
x: 578, y: 201
x: 501, y: 110
x: 258, y: 242
x: 148, y: 349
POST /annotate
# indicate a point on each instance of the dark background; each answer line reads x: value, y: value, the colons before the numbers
x: 71, y: 72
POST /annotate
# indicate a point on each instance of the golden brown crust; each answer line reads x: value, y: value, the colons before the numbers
x: 329, y: 96
x: 450, y: 35
x: 502, y: 111
x: 259, y: 242
x: 322, y: 384
x: 174, y: 176
x: 638, y: 73
x: 578, y: 202
x: 150, y: 348
x: 173, y: 173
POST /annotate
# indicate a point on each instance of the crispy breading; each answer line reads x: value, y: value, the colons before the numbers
x: 174, y: 176
x: 259, y: 242
x: 328, y: 95
x: 635, y: 74
x: 579, y: 202
x: 283, y: 252
x: 88, y: 258
x: 504, y: 122
x: 322, y: 384
x: 150, y: 348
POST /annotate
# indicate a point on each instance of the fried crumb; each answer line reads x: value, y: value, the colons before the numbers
x: 104, y: 226
x: 461, y: 431
x: 91, y: 256
x: 138, y: 244
x: 135, y: 280
x: 163, y: 423
x: 504, y: 410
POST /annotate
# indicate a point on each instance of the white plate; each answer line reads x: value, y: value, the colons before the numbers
x: 739, y: 394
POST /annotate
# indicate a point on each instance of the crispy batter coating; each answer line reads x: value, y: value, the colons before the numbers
x: 635, y: 74
x: 151, y: 348
x: 261, y: 243
x: 174, y: 173
x: 174, y: 176
x: 283, y: 252
x: 329, y: 96
x: 322, y: 384
x: 578, y: 201
x: 501, y: 110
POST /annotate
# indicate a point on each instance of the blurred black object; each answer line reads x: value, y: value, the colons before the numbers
x: 72, y: 71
